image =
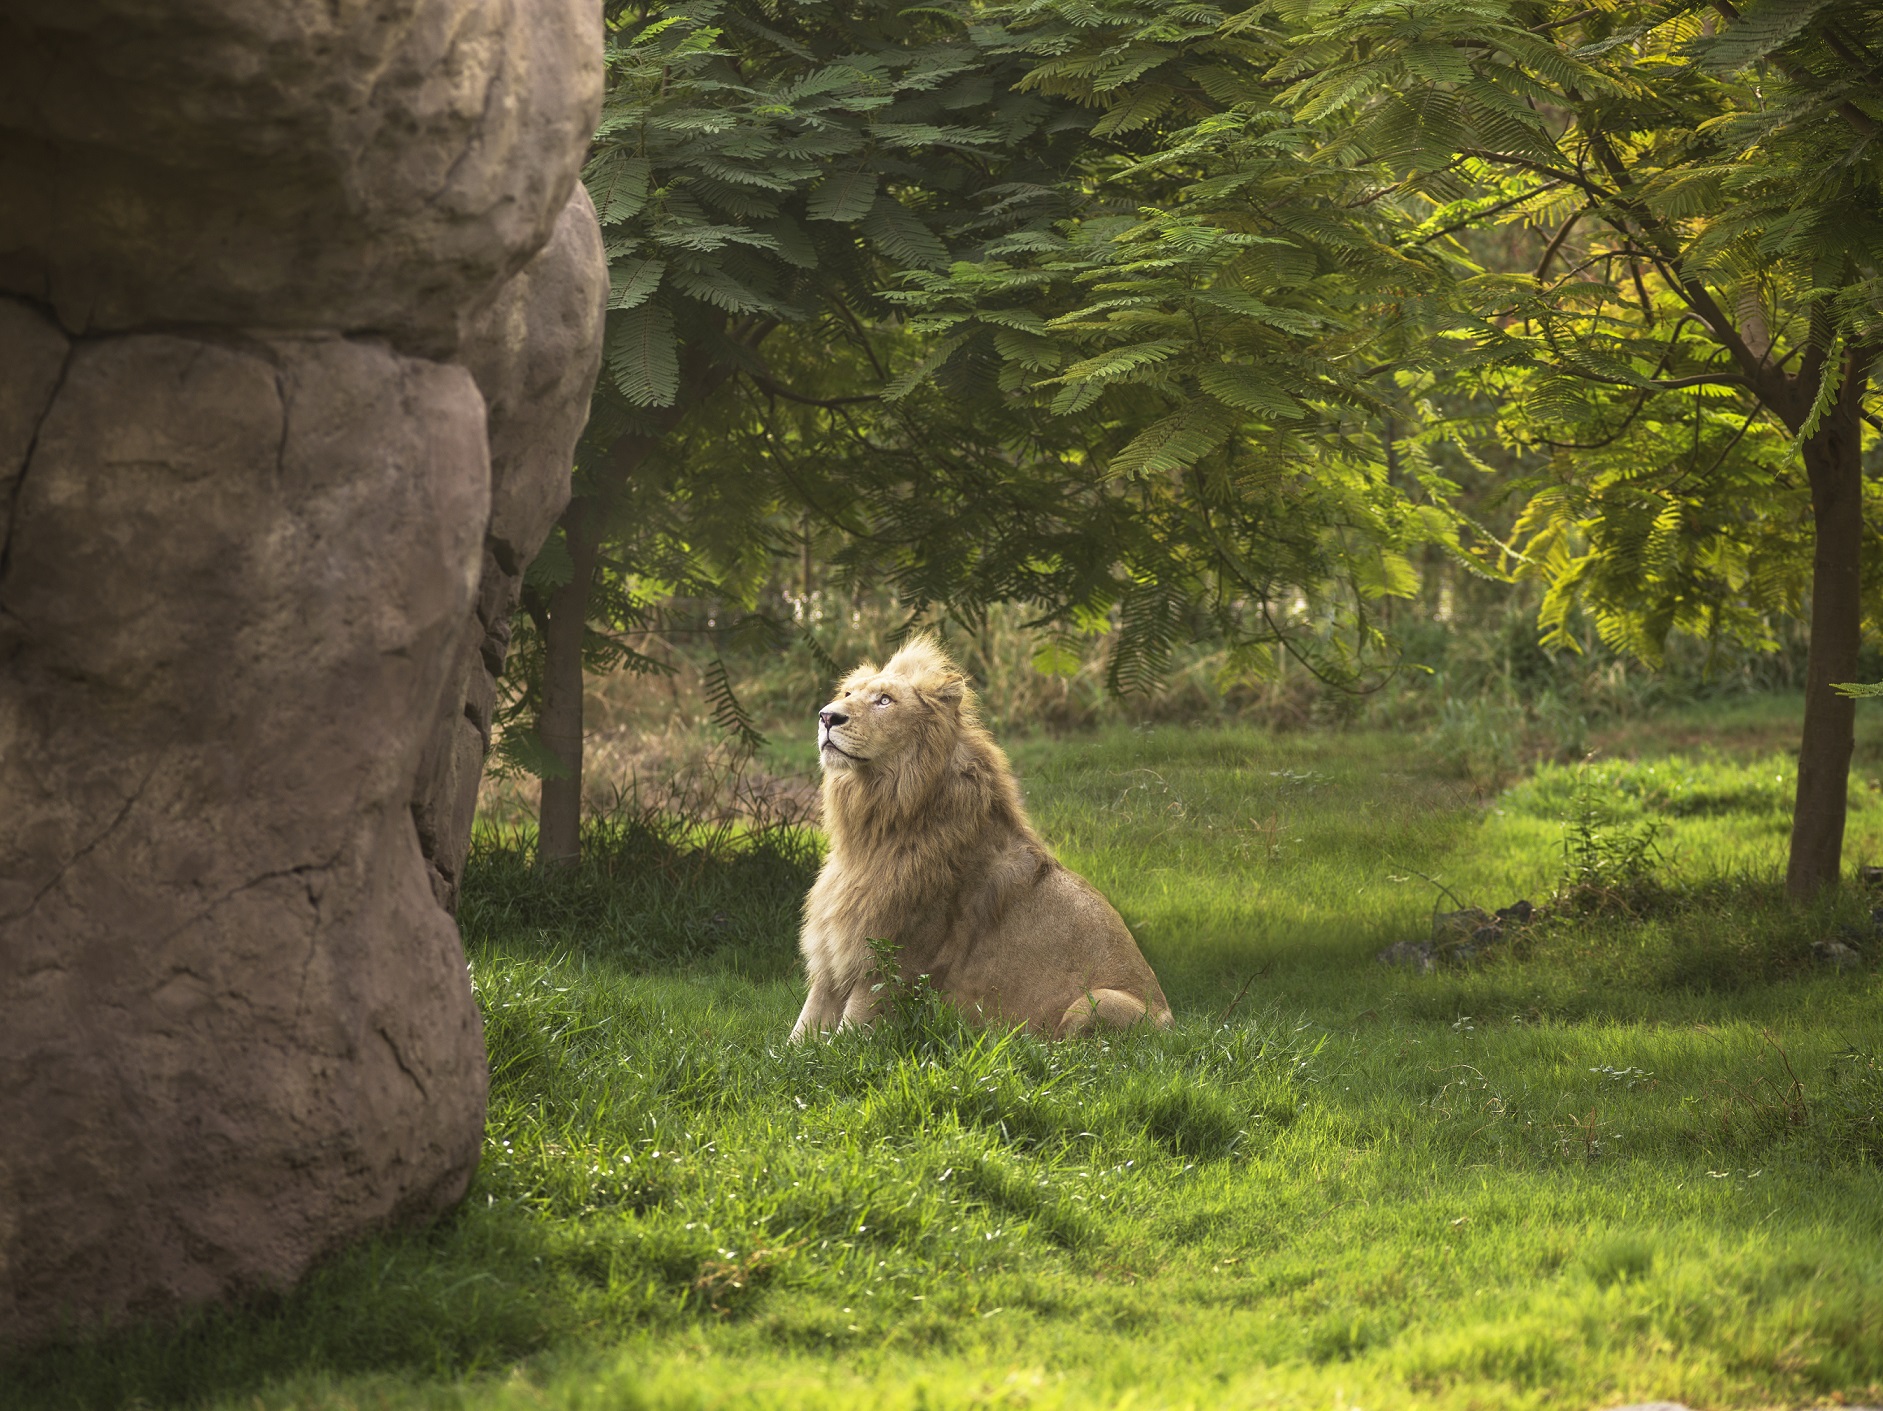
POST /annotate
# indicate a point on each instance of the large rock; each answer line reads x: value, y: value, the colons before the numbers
x: 237, y: 1026
x: 366, y: 167
x: 246, y: 520
x: 535, y: 353
x: 32, y: 358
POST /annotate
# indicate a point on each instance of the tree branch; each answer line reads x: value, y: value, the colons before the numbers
x: 1672, y: 384
x: 1769, y: 387
x: 1575, y: 179
x: 863, y: 338
x: 829, y: 404
x: 1556, y: 242
x: 1477, y: 216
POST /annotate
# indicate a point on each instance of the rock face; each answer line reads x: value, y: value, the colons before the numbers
x: 275, y: 282
x: 535, y: 353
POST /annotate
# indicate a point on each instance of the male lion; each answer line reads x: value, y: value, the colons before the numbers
x: 931, y: 850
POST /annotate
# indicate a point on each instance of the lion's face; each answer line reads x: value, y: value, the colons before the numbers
x: 871, y: 719
x: 897, y: 722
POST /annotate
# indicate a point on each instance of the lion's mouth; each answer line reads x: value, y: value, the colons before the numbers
x: 827, y: 743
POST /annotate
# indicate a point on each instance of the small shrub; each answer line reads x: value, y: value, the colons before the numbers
x: 1606, y: 863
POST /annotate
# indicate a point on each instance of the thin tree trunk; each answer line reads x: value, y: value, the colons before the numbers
x: 559, y: 726
x: 1834, y: 463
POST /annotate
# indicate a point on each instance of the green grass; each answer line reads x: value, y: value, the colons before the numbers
x: 1634, y: 1155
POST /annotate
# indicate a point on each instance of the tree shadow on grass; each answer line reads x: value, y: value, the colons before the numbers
x: 651, y: 892
x: 471, y: 1295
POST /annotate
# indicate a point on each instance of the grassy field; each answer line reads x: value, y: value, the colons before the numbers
x: 1635, y: 1152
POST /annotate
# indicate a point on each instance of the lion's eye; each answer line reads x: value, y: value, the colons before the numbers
x: 885, y: 699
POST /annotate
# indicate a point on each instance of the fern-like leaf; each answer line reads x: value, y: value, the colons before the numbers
x: 1176, y: 442
x: 728, y: 713
x: 843, y: 196
x: 900, y: 234
x: 642, y: 356
x: 632, y: 282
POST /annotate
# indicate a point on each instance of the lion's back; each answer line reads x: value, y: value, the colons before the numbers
x: 1054, y: 939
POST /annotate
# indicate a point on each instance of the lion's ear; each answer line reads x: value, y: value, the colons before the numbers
x: 949, y: 692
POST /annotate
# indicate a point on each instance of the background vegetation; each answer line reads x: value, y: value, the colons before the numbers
x: 1170, y: 323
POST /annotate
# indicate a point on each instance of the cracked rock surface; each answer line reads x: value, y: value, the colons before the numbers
x: 270, y: 293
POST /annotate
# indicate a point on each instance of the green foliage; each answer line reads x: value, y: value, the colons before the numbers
x: 728, y: 713
x: 1212, y: 321
x: 1289, y: 253
x: 1606, y: 862
x: 1208, y: 335
x: 1700, y: 197
x: 760, y: 172
x: 757, y: 161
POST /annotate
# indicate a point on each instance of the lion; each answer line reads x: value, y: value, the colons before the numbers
x: 931, y: 850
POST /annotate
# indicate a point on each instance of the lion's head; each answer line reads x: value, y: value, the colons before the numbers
x: 889, y: 720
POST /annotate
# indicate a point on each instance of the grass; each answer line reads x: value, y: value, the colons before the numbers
x: 1634, y: 1155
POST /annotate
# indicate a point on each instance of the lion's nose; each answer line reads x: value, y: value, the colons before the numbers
x: 832, y: 717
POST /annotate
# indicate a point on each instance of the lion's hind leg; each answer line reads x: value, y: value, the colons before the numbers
x: 1101, y: 1009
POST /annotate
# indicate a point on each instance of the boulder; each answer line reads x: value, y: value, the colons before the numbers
x: 269, y: 285
x: 1838, y: 954
x: 535, y: 352
x: 32, y: 358
x: 1459, y: 937
x: 1414, y: 955
x: 237, y: 1028
x: 370, y: 168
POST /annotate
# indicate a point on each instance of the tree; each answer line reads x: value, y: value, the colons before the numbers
x: 760, y: 166
x: 1707, y: 309
x: 1698, y: 317
x: 763, y: 173
x: 1211, y: 334
x: 1189, y: 359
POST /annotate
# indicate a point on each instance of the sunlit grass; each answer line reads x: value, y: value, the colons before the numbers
x: 1633, y: 1155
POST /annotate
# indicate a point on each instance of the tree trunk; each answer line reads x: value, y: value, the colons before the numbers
x: 559, y: 812
x: 1833, y: 460
x: 559, y: 725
